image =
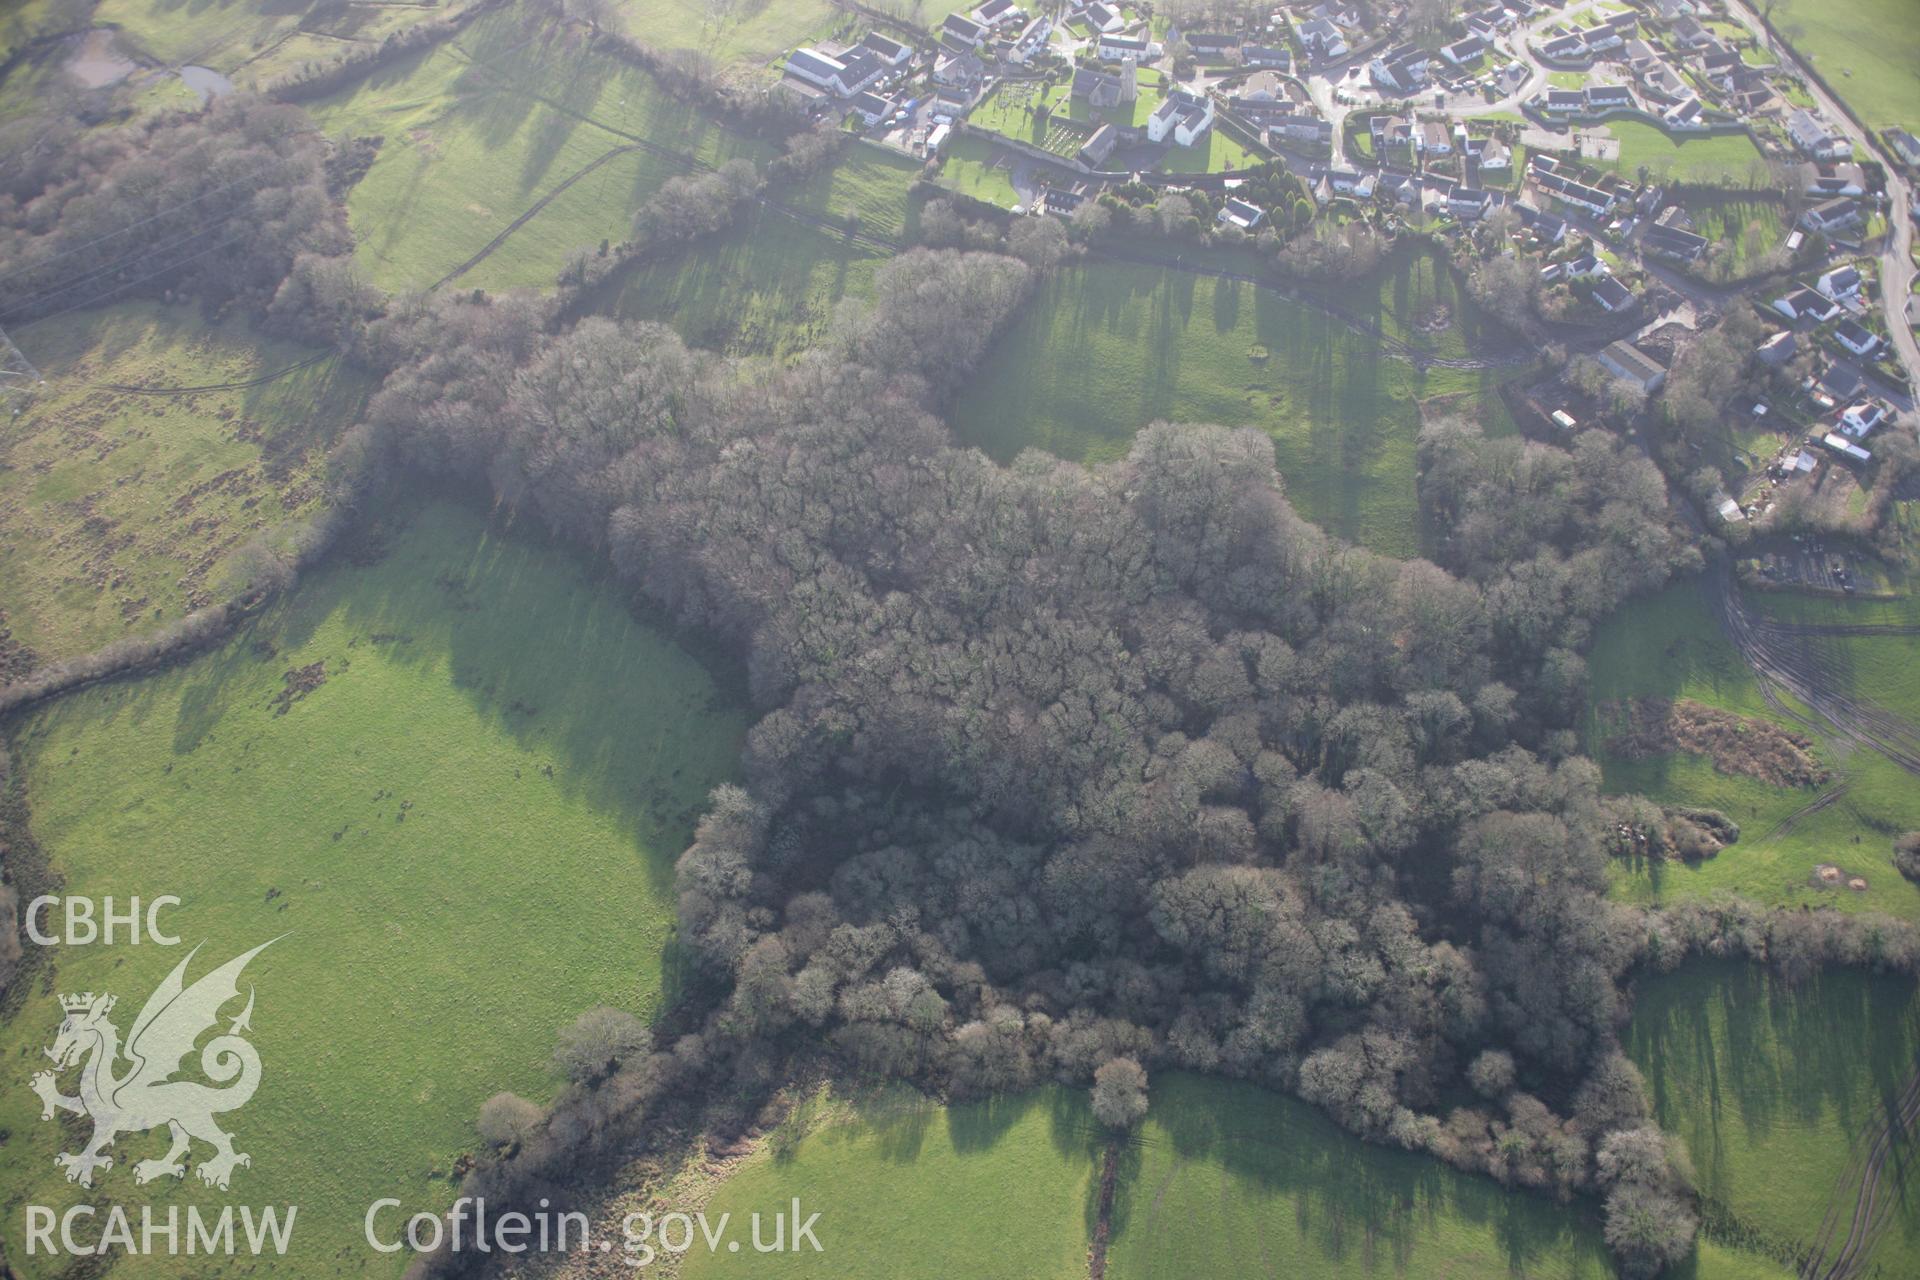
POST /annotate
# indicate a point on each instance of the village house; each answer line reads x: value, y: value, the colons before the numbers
x: 1804, y: 305
x: 1904, y: 145
x: 1690, y: 33
x: 1833, y: 179
x: 1778, y: 349
x: 995, y: 12
x: 1607, y: 97
x: 1322, y: 40
x: 1403, y: 70
x: 870, y: 107
x: 1119, y: 48
x: 1094, y: 152
x: 1632, y: 365
x: 1238, y: 213
x: 1302, y: 130
x: 888, y: 50
x: 1547, y: 228
x: 1856, y: 337
x: 1468, y: 204
x: 1211, y: 46
x: 1464, y: 53
x: 1830, y: 215
x: 1612, y: 296
x: 1266, y: 57
x: 1673, y: 242
x: 1811, y: 135
x: 1434, y: 140
x: 1686, y: 114
x: 1567, y: 48
x: 1103, y: 19
x: 1861, y: 417
x: 823, y: 71
x: 1565, y: 102
x: 1183, y: 118
x: 962, y: 71
x: 962, y: 32
x: 1841, y: 283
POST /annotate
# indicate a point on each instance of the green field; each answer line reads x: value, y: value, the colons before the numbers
x: 907, y: 1189
x: 1725, y: 159
x: 1228, y: 1179
x: 252, y: 42
x: 1868, y: 50
x: 769, y: 285
x: 735, y: 36
x: 466, y: 835
x: 116, y: 507
x: 480, y: 129
x: 977, y: 168
x: 765, y: 287
x: 1670, y: 645
x: 1774, y: 1090
x: 1106, y: 349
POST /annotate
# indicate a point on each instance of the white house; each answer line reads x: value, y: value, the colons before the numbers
x: 1856, y: 337
x: 1840, y: 283
x: 1102, y: 19
x: 1182, y: 117
x: 1810, y: 133
x: 1115, y: 48
x: 817, y: 68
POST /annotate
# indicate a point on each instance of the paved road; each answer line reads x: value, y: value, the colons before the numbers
x: 1896, y: 260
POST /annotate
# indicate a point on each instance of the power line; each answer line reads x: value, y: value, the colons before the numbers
x: 21, y: 306
x: 186, y: 204
x: 101, y: 297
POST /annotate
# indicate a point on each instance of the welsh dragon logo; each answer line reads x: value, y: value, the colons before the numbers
x: 143, y: 1095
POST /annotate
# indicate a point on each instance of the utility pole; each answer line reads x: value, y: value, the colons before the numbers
x: 18, y: 377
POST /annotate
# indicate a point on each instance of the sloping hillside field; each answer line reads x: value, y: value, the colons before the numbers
x: 451, y: 780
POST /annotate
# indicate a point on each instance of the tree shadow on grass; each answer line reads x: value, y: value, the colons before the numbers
x: 1229, y: 1168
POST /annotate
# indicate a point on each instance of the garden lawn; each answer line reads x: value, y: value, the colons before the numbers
x: 1868, y: 50
x: 1104, y: 350
x: 1775, y: 1091
x: 116, y: 508
x: 461, y: 839
x: 1722, y: 160
x: 478, y: 130
x: 910, y: 1190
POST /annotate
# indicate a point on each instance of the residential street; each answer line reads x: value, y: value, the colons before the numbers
x: 1896, y: 262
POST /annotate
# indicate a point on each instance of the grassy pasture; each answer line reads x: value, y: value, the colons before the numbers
x: 765, y: 287
x: 249, y: 41
x: 769, y: 285
x: 755, y: 34
x: 466, y: 834
x: 1229, y: 1179
x: 1775, y: 1089
x: 478, y: 130
x: 115, y: 507
x: 906, y: 1189
x: 1868, y: 50
x: 1670, y: 645
x: 1720, y: 159
x: 1106, y: 349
